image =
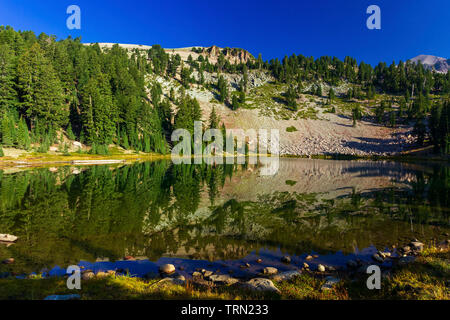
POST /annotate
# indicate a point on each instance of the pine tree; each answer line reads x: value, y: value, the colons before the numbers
x: 420, y: 129
x: 331, y: 95
x: 213, y: 119
x: 8, y: 95
x: 223, y: 89
x: 40, y: 89
x: 291, y: 98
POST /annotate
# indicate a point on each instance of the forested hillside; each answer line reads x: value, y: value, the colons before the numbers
x: 101, y: 96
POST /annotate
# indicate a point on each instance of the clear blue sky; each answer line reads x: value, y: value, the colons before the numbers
x: 273, y: 28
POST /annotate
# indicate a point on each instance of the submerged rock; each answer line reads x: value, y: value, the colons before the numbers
x: 261, y: 284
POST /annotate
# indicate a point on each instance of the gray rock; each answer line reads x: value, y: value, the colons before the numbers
x: 330, y: 282
x: 167, y: 282
x: 167, y: 268
x: 287, y: 275
x: 270, y: 270
x: 222, y: 279
x: 261, y: 284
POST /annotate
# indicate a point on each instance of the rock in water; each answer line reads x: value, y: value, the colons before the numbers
x: 222, y: 279
x: 167, y: 268
x: 270, y: 270
x: 308, y: 258
x: 321, y: 268
x: 305, y: 265
x: 286, y: 259
x: 259, y: 261
x: 261, y: 284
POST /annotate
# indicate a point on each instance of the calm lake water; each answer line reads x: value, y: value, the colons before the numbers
x: 218, y: 216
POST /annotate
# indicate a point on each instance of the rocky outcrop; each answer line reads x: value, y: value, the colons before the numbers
x: 233, y: 55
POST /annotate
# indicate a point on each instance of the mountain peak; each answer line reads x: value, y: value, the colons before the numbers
x: 439, y: 64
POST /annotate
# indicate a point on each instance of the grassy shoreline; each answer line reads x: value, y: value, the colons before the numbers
x: 426, y: 278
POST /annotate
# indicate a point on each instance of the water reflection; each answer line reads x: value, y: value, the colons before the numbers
x: 218, y: 213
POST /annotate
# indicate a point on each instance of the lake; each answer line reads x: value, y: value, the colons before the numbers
x: 219, y: 217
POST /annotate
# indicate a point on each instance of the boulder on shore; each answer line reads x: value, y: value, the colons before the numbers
x: 261, y: 284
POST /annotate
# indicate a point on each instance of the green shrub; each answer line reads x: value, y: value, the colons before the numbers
x: 291, y: 129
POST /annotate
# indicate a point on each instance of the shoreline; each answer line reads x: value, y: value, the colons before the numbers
x: 422, y: 272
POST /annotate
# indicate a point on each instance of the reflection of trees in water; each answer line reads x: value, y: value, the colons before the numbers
x: 153, y: 209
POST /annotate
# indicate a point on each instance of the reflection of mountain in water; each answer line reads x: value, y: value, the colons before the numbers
x: 220, y: 212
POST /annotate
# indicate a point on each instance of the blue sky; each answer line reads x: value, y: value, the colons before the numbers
x: 272, y: 28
